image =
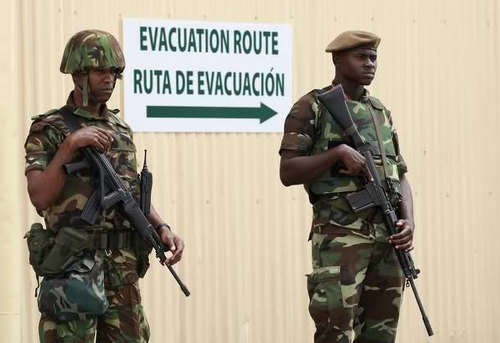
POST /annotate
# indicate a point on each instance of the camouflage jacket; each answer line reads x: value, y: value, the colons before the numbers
x: 305, y: 133
x: 47, y: 132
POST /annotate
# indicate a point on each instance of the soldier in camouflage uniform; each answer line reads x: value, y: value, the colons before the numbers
x: 95, y: 60
x: 356, y: 285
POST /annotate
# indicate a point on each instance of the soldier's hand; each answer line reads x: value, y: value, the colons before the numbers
x: 90, y: 136
x: 352, y: 162
x: 175, y: 245
x: 404, y: 238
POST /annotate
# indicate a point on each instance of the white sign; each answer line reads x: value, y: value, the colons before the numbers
x: 200, y: 76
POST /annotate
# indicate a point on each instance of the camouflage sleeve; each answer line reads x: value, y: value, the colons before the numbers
x: 41, y: 145
x: 299, y: 129
x: 401, y: 164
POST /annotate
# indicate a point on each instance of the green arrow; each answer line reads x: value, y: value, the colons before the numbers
x: 262, y: 113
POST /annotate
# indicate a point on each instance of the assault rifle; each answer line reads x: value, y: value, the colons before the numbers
x: 374, y: 194
x: 113, y: 192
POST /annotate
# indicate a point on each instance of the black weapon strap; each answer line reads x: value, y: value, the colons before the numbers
x: 70, y: 118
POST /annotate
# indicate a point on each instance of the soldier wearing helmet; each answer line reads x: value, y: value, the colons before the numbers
x: 356, y: 284
x: 91, y: 50
x: 95, y: 61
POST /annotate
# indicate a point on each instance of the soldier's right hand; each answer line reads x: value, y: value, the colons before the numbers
x: 90, y: 136
x: 352, y: 162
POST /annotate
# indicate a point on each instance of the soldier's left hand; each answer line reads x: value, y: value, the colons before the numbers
x: 404, y: 238
x: 175, y: 245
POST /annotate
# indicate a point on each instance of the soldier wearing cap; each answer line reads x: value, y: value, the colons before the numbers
x: 95, y: 61
x: 356, y: 285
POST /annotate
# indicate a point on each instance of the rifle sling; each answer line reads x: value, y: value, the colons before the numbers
x: 70, y: 118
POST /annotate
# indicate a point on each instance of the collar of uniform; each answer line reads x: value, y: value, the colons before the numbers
x: 86, y: 115
x: 363, y: 98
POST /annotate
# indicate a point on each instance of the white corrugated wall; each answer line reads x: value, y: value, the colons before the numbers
x: 246, y: 252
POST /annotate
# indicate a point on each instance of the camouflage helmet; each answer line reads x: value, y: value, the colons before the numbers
x: 89, y: 49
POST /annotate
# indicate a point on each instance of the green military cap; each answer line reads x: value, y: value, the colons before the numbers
x: 353, y: 39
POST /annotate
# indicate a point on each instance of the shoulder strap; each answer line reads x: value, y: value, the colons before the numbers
x: 70, y: 118
x: 43, y: 115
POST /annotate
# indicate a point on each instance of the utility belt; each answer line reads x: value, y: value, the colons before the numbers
x: 110, y: 239
x: 101, y: 238
x: 329, y: 229
x: 52, y: 253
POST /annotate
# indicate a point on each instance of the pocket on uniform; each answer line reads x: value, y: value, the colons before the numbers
x: 124, y: 161
x: 68, y: 247
x: 122, y: 153
x: 325, y: 292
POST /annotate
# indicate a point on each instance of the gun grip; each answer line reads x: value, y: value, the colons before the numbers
x: 112, y: 198
x: 71, y: 168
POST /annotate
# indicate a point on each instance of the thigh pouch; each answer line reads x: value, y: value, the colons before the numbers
x: 325, y: 292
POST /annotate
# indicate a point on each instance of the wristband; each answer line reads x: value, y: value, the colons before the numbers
x: 159, y: 226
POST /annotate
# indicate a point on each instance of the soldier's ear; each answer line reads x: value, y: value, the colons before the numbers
x: 337, y: 61
x: 78, y: 82
x: 77, y: 78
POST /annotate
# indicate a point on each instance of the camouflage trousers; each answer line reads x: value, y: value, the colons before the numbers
x: 355, y: 288
x: 123, y: 322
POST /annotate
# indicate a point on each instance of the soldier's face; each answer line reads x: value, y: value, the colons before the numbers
x: 101, y: 84
x: 359, y: 65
